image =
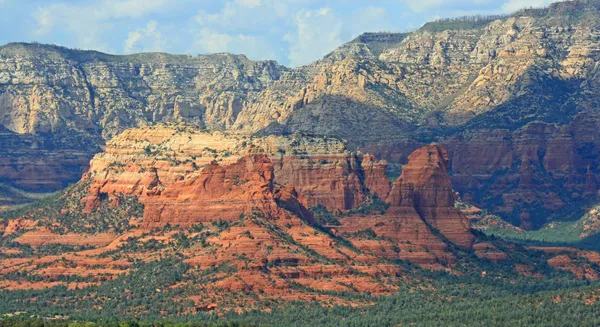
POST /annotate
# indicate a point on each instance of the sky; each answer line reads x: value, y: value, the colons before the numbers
x: 293, y: 32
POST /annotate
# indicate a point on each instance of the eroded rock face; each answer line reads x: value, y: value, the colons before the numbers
x: 524, y: 175
x: 528, y: 174
x: 421, y: 218
x: 185, y: 176
x: 425, y: 186
x: 223, y: 192
x: 335, y: 181
x: 47, y: 88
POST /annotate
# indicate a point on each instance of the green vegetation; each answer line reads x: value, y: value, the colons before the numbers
x: 460, y: 23
x: 67, y: 209
x: 367, y: 234
x: 144, y: 298
x: 422, y: 310
x: 393, y: 171
x: 23, y: 320
x: 13, y: 196
x: 324, y: 217
x: 373, y: 205
x: 559, y: 233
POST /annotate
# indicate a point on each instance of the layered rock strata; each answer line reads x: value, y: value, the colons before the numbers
x: 185, y: 176
x: 421, y: 219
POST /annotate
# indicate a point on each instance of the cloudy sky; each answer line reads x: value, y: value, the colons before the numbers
x: 293, y: 32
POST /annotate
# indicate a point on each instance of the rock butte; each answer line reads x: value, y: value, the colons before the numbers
x: 162, y: 165
x: 253, y: 175
x: 421, y: 199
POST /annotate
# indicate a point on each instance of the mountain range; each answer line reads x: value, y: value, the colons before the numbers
x: 468, y: 146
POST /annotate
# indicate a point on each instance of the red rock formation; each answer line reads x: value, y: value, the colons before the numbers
x: 289, y: 199
x: 564, y: 262
x: 490, y: 252
x: 145, y: 162
x: 411, y: 239
x: 421, y: 200
x: 17, y: 225
x: 216, y: 192
x: 335, y: 181
x: 374, y: 176
x: 425, y: 187
x: 516, y: 173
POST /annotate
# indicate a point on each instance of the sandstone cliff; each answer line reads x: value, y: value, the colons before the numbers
x: 421, y: 218
x: 425, y: 186
x: 184, y: 175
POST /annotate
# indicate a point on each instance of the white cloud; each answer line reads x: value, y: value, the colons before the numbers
x: 514, y: 5
x: 147, y: 39
x: 244, y: 14
x: 249, y: 3
x: 369, y: 19
x: 43, y: 17
x: 425, y: 5
x: 250, y: 27
x: 213, y: 41
x: 285, y: 31
x: 88, y: 21
x: 481, y: 6
x: 130, y: 8
x: 422, y: 5
x: 254, y: 47
x: 317, y: 33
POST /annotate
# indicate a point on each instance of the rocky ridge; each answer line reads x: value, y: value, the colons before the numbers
x: 188, y: 177
x: 529, y: 76
x: 145, y: 162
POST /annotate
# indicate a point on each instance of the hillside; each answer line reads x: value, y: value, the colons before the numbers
x: 174, y: 221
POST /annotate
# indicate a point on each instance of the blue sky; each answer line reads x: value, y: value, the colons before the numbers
x: 293, y: 32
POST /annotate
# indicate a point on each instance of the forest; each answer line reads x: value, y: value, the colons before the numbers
x: 427, y: 299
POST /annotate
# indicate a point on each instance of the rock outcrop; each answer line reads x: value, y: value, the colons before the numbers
x: 185, y: 176
x: 425, y: 186
x: 216, y: 192
x: 421, y: 217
